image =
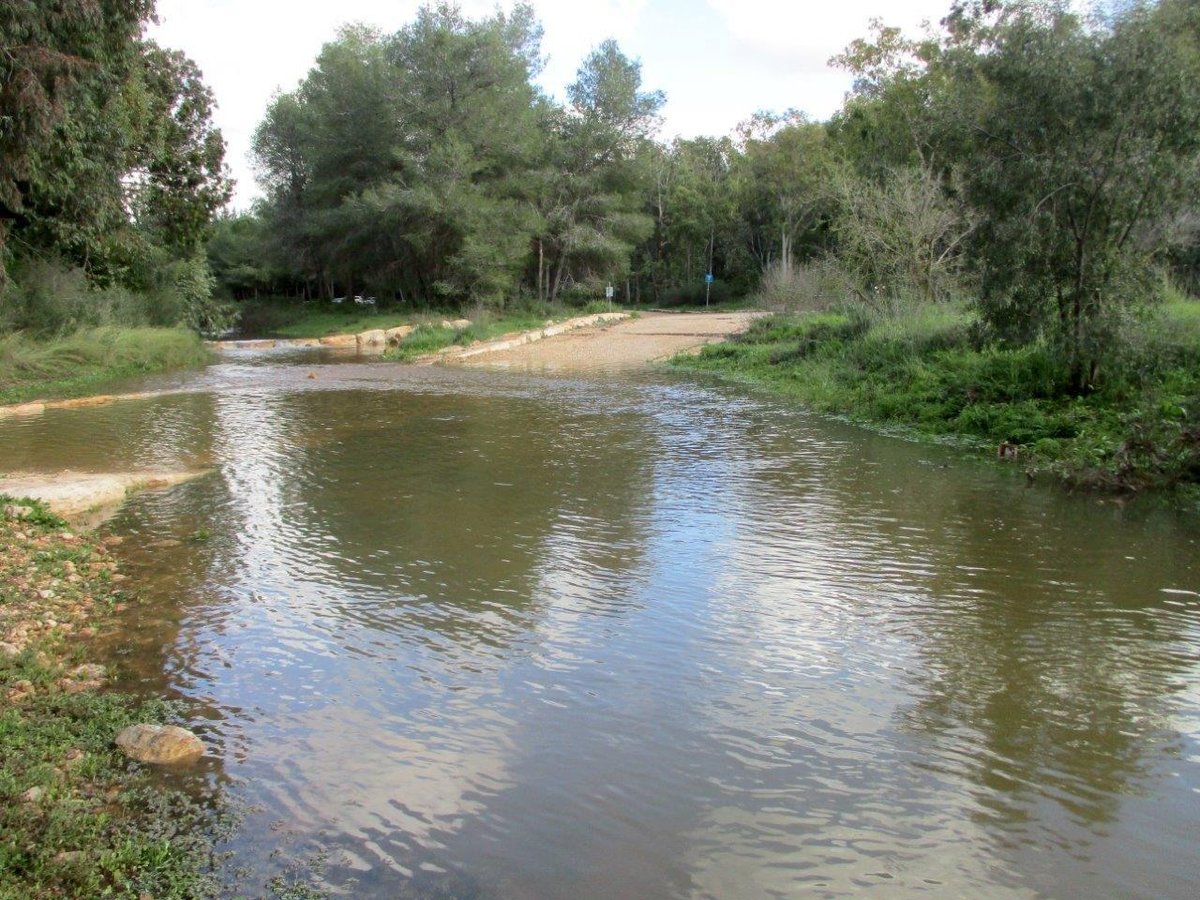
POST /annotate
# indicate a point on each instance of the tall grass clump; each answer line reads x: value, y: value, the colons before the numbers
x: 76, y: 363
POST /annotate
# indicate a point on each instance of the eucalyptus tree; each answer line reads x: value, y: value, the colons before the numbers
x: 783, y: 180
x: 887, y: 122
x: 176, y: 179
x: 690, y: 194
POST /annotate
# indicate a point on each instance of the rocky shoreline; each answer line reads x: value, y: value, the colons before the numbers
x: 79, y: 817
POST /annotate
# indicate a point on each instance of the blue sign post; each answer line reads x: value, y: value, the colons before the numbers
x: 708, y: 280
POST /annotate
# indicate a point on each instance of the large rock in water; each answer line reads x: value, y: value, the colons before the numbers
x: 374, y: 341
x: 159, y: 744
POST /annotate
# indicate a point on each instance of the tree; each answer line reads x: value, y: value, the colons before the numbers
x: 690, y: 194
x: 177, y: 180
x: 900, y: 233
x: 238, y: 256
x: 397, y: 163
x: 783, y: 181
x: 109, y: 161
x: 1083, y: 141
x: 57, y: 62
x: 282, y: 154
x: 468, y: 108
x: 886, y: 122
x: 591, y: 213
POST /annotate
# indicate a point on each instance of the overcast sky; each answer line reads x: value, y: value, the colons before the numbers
x: 717, y: 60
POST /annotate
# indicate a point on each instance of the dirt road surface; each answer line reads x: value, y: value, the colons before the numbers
x: 629, y: 344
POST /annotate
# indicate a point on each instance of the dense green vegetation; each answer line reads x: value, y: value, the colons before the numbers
x: 425, y: 168
x: 1031, y: 160
x: 78, y: 819
x: 928, y: 372
x: 270, y: 317
x: 431, y: 335
x: 77, y: 363
x: 1037, y: 162
x: 110, y: 174
x: 110, y: 171
x: 1006, y: 206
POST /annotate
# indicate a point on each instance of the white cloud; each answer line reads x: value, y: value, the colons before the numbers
x: 808, y: 34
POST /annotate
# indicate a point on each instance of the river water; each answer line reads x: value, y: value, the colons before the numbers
x: 486, y: 634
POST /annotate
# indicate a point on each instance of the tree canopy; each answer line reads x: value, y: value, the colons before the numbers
x: 108, y: 157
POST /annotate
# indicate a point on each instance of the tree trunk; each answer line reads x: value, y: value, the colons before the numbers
x: 1080, y: 337
x: 541, y: 270
x: 562, y: 261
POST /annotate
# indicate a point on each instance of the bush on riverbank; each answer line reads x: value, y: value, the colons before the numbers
x: 77, y: 363
x: 925, y: 372
x: 77, y: 818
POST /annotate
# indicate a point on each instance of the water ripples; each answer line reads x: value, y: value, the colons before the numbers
x: 499, y: 635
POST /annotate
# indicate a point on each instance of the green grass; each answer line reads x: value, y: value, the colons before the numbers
x: 99, y: 828
x: 77, y: 819
x: 432, y: 337
x: 291, y: 319
x: 922, y: 374
x: 81, y: 363
x: 1180, y: 321
x: 323, y: 323
x: 281, y: 318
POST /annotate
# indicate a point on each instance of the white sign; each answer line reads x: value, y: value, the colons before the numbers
x: 608, y: 292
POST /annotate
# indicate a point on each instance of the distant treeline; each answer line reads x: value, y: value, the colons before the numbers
x: 1040, y: 162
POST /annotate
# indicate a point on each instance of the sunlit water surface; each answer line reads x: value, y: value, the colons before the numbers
x: 460, y: 633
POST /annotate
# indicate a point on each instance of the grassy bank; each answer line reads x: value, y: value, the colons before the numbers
x: 313, y: 320
x: 292, y: 319
x: 923, y: 374
x: 81, y: 363
x: 77, y: 818
x: 432, y: 336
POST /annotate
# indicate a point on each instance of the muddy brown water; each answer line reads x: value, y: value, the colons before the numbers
x: 486, y: 634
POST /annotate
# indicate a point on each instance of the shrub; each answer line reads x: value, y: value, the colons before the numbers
x: 817, y: 286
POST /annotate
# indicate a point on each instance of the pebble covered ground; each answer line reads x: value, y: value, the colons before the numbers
x: 50, y: 579
x: 78, y: 819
